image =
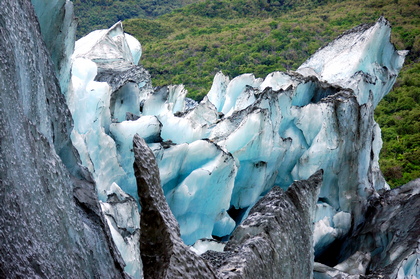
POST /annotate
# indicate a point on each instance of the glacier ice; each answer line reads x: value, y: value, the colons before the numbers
x: 89, y: 103
x: 203, y: 245
x: 218, y: 159
x: 58, y: 30
x: 257, y: 133
x: 123, y: 219
x: 188, y: 175
x: 103, y: 142
x: 355, y: 264
x: 390, y: 232
x: 344, y: 61
x: 410, y: 267
x: 135, y: 48
x: 109, y: 47
x: 330, y: 225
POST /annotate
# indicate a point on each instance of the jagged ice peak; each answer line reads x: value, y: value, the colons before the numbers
x: 278, y: 175
x: 217, y: 159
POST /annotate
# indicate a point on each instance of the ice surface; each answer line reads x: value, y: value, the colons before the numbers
x: 147, y: 127
x: 109, y: 48
x: 277, y: 81
x: 238, y: 94
x: 245, y: 136
x: 410, y: 268
x: 355, y: 264
x: 135, y: 47
x: 89, y: 103
x: 362, y: 59
x: 124, y: 101
x: 188, y: 174
x: 123, y: 219
x: 217, y: 92
x: 203, y: 245
x: 105, y: 147
x: 58, y: 28
x: 330, y: 225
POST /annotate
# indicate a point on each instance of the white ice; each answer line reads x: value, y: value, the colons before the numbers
x: 361, y: 60
x: 105, y: 147
x: 203, y: 245
x: 247, y: 134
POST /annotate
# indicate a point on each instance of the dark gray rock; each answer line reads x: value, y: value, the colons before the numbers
x: 131, y: 117
x: 163, y: 253
x: 275, y: 241
x: 117, y: 78
x: 190, y: 104
x: 322, y: 271
x: 391, y: 231
x: 51, y: 225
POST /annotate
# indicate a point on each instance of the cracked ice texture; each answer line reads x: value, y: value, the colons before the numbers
x: 250, y: 134
x: 361, y: 59
x: 105, y: 146
x: 287, y: 126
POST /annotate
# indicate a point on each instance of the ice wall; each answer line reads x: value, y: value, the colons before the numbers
x: 106, y: 87
x: 256, y: 133
x: 58, y: 29
x: 217, y: 158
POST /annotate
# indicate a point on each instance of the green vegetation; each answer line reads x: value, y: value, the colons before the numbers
x: 399, y: 118
x: 190, y: 45
x: 193, y: 43
x: 102, y: 14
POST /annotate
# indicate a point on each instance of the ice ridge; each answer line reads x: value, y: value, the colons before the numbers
x: 238, y: 165
x: 218, y: 158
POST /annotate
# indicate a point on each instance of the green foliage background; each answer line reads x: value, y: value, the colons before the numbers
x: 100, y: 14
x: 191, y: 44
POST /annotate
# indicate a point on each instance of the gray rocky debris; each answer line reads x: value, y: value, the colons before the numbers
x: 390, y: 233
x: 275, y: 241
x: 386, y: 245
x: 163, y: 253
x: 51, y: 222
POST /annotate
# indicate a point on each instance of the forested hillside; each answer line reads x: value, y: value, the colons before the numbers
x: 100, y: 14
x: 191, y: 44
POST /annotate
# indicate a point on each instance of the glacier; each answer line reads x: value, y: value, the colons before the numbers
x: 279, y: 174
x: 257, y: 133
